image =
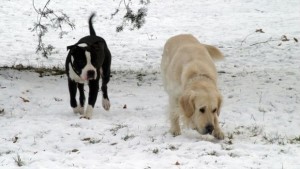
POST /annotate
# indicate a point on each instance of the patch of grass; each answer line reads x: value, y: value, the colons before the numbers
x: 2, y: 112
x: 238, y: 131
x: 173, y: 147
x: 6, y: 152
x: 57, y: 99
x: 19, y: 161
x: 91, y: 140
x: 140, y: 76
x: 76, y: 125
x: 42, y: 71
x: 127, y: 137
x: 212, y: 153
x: 155, y: 151
x: 152, y: 139
x: 274, y: 139
x: 255, y: 130
x: 233, y: 155
x: 230, y: 136
x: 295, y: 140
x: 117, y: 128
x: 226, y: 147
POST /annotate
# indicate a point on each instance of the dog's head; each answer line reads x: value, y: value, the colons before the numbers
x: 87, y: 59
x: 201, y: 108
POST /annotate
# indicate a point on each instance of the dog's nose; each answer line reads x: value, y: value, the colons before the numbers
x: 209, y: 128
x: 90, y: 74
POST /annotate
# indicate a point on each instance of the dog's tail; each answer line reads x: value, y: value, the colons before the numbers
x: 92, y: 31
x: 214, y: 52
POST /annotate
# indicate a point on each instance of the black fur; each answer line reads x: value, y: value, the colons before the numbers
x: 92, y: 31
x: 100, y: 58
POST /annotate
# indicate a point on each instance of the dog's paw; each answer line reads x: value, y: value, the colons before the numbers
x: 106, y: 104
x: 78, y: 110
x: 84, y: 117
x: 88, y: 112
x: 218, y: 134
x: 175, y: 132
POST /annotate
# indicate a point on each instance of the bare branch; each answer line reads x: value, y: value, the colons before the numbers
x: 57, y: 21
x: 135, y: 19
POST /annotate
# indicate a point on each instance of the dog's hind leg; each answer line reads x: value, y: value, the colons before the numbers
x: 105, y: 74
x: 105, y: 99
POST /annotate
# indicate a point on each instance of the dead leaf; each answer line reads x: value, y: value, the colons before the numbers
x: 15, y: 139
x: 84, y: 117
x: 86, y: 139
x: 284, y: 38
x: 24, y: 100
x: 57, y: 99
x: 259, y: 31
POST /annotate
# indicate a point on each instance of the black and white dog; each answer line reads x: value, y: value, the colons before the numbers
x: 87, y: 61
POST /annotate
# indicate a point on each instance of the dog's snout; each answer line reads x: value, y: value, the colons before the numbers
x: 209, y: 128
x: 91, y: 74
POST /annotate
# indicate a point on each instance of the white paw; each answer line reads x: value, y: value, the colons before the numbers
x: 78, y: 110
x: 106, y: 104
x: 175, y: 132
x: 88, y: 112
x: 218, y: 134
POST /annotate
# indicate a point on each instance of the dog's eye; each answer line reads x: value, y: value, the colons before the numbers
x: 202, y: 109
x: 214, y: 110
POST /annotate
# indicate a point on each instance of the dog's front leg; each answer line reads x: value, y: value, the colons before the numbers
x: 73, y: 90
x: 217, y: 133
x: 81, y: 98
x: 174, y: 117
x: 93, y: 93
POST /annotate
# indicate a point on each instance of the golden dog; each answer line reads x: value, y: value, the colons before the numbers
x: 190, y: 79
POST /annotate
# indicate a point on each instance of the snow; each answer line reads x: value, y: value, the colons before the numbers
x: 259, y: 80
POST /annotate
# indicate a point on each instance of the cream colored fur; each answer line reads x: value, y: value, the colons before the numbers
x: 190, y: 79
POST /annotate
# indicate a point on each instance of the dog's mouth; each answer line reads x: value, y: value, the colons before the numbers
x: 88, y: 78
x: 89, y: 75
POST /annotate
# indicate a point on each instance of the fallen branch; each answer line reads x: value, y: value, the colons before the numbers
x: 267, y: 41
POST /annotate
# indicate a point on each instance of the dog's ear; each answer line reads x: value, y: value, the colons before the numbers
x: 220, y: 101
x: 214, y: 52
x: 70, y: 47
x: 187, y: 103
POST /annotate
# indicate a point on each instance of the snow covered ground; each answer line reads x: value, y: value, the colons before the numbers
x: 259, y: 80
